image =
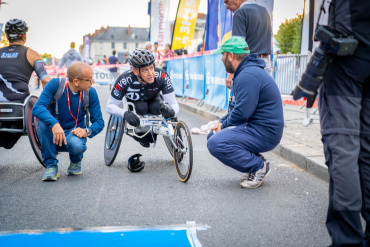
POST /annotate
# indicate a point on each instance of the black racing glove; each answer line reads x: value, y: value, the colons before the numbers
x: 167, y: 111
x: 132, y: 119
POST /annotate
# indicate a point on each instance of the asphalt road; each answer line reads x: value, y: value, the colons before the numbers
x: 288, y: 209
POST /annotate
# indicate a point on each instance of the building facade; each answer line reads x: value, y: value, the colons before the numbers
x: 122, y: 39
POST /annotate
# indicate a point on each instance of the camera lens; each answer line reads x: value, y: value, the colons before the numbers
x: 313, y: 76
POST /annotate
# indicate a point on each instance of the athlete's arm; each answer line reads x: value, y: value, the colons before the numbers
x: 32, y: 57
x: 170, y: 99
x: 114, y: 106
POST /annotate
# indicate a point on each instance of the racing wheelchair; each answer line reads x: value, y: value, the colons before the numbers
x: 175, y: 133
x: 16, y: 119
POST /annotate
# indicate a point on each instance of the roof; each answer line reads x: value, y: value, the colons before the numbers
x: 120, y: 34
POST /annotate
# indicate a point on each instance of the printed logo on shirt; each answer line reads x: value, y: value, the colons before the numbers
x: 9, y: 55
x: 116, y: 92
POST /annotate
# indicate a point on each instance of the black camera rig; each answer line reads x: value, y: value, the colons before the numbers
x: 332, y: 43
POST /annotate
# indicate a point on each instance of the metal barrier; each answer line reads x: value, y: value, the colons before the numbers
x: 288, y: 70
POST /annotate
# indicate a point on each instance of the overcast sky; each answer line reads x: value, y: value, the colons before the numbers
x: 54, y: 24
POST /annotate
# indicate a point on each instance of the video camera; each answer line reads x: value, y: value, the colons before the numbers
x: 332, y: 43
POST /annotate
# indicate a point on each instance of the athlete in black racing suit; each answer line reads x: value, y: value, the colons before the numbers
x: 142, y: 86
x: 17, y: 62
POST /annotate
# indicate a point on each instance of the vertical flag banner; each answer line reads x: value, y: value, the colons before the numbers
x: 186, y: 18
x: 225, y: 21
x: 211, y: 26
x: 87, y: 49
x: 160, y: 26
x: 310, y: 16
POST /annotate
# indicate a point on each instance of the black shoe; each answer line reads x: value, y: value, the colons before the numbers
x: 143, y: 141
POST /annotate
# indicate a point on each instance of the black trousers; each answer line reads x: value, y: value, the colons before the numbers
x: 344, y: 104
x: 148, y: 107
x: 144, y: 107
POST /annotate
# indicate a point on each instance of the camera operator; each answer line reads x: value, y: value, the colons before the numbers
x: 344, y: 103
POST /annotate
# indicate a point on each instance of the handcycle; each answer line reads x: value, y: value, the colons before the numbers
x: 175, y: 133
x: 16, y: 120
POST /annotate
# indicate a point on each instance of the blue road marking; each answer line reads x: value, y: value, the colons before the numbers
x: 168, y: 236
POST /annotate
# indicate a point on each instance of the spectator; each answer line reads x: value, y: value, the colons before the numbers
x: 254, y: 123
x: 67, y: 133
x: 104, y: 61
x: 252, y: 22
x: 181, y: 51
x: 167, y: 53
x: 125, y: 58
x: 148, y: 46
x: 70, y: 56
x: 156, y: 53
x: 344, y: 103
x: 113, y: 72
x: 200, y: 47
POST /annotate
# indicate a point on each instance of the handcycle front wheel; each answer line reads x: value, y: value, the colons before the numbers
x: 113, y: 138
x: 183, y: 157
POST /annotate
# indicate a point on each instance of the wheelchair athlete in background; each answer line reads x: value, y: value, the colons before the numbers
x: 142, y: 86
x: 17, y: 63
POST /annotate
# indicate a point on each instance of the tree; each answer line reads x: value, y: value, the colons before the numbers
x: 289, y: 35
x: 4, y: 41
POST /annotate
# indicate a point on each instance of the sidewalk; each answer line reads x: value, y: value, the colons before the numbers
x: 300, y: 144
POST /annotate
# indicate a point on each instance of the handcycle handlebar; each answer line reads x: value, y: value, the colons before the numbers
x: 155, y: 123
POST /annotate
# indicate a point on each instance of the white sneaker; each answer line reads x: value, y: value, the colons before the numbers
x: 255, y: 178
x: 244, y: 177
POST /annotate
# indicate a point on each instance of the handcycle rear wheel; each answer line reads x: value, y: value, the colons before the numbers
x: 113, y: 138
x: 31, y: 128
x: 183, y: 158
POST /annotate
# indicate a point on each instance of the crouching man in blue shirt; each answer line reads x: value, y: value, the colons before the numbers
x: 66, y: 131
x: 254, y: 122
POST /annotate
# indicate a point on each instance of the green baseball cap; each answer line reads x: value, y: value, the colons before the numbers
x: 235, y: 44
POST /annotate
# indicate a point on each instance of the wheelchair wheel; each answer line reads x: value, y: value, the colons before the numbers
x: 31, y: 126
x: 113, y: 138
x: 184, y: 158
x: 168, y: 144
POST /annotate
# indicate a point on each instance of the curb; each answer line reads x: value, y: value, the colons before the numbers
x: 294, y: 153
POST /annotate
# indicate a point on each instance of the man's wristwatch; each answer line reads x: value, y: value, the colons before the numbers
x: 88, y: 131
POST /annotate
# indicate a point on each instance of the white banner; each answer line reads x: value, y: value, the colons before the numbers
x: 305, y: 39
x: 160, y: 29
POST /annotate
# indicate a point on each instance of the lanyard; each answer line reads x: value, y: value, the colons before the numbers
x: 69, y: 105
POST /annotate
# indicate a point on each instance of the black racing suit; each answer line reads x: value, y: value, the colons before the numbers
x: 145, y: 97
x: 344, y: 103
x: 15, y: 73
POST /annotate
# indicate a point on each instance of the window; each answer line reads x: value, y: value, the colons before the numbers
x: 136, y: 45
x: 124, y: 45
x: 112, y: 45
x: 100, y: 46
